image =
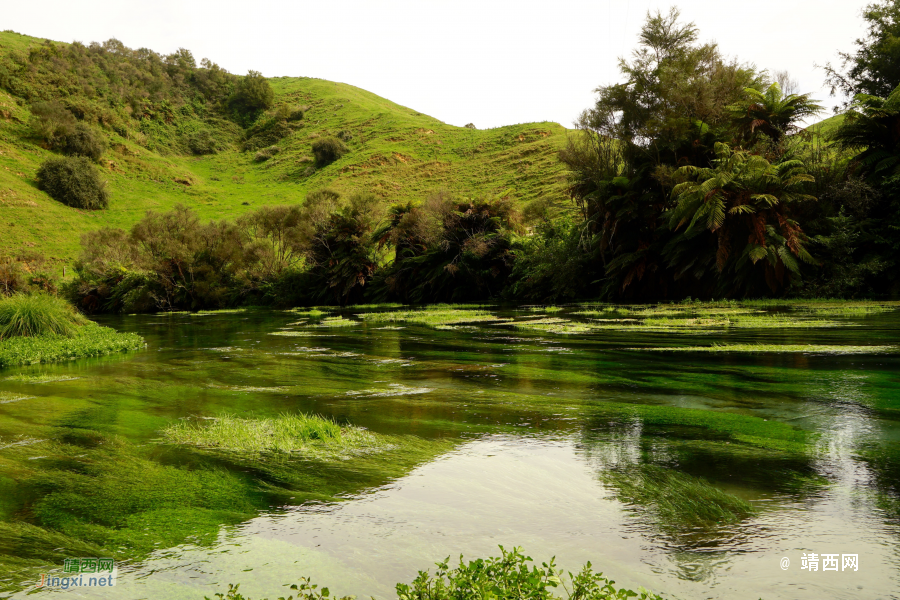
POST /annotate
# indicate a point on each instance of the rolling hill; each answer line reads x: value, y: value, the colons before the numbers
x: 396, y: 152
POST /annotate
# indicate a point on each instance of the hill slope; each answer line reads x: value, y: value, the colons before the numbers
x: 395, y: 152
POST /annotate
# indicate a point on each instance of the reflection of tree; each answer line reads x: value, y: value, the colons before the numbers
x: 679, y: 478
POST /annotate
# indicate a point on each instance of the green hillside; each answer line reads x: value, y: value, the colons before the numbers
x: 395, y: 152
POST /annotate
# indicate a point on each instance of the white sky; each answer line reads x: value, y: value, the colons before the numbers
x: 490, y: 62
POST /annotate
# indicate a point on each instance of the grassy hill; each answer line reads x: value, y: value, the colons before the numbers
x: 395, y: 152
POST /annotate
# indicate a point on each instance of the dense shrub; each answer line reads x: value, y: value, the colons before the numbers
x: 327, y: 150
x: 252, y: 94
x: 345, y: 135
x: 83, y: 141
x: 74, y: 181
x: 30, y: 315
x: 63, y: 133
x: 203, y: 142
x: 449, y: 250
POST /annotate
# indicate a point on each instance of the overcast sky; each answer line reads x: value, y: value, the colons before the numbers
x: 489, y: 62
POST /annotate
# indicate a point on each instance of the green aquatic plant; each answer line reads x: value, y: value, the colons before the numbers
x: 29, y: 315
x: 286, y: 434
x: 88, y: 340
x: 307, y: 312
x: 441, y: 314
x: 778, y: 348
x: 677, y: 500
x: 510, y: 576
x: 337, y: 322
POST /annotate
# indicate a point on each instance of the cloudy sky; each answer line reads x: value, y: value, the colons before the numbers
x: 489, y: 62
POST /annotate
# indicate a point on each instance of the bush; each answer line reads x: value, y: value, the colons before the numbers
x: 327, y: 150
x: 265, y: 154
x: 56, y: 124
x: 74, y: 181
x: 29, y: 315
x: 252, y: 94
x: 202, y: 143
x: 82, y: 141
x: 285, y: 112
x: 345, y: 135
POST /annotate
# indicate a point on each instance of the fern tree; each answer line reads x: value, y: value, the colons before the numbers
x: 735, y: 235
x: 771, y: 113
x: 872, y: 128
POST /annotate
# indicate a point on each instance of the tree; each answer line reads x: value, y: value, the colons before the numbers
x: 872, y: 128
x: 874, y: 68
x: 338, y: 242
x: 771, y: 113
x: 252, y: 95
x: 742, y: 197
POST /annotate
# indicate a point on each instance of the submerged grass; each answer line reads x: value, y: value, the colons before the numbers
x: 677, y: 500
x: 786, y: 348
x: 441, y: 314
x: 309, y: 435
x: 87, y: 340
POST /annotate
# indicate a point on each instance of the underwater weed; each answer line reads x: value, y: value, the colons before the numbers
x: 677, y: 500
x: 809, y: 348
x: 432, y: 315
x: 286, y: 434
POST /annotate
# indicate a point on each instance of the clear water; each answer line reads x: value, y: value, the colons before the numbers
x: 520, y: 430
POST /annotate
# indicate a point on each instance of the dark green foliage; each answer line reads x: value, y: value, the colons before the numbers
x: 552, y: 265
x: 742, y: 205
x: 771, y: 113
x: 74, y: 181
x: 345, y: 135
x: 26, y: 272
x: 874, y: 68
x: 203, y: 142
x: 327, y: 150
x: 267, y: 131
x: 63, y: 133
x: 449, y: 250
x: 252, y: 95
x: 338, y: 240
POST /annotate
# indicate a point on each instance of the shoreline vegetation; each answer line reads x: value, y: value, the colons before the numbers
x: 40, y: 328
x: 511, y: 575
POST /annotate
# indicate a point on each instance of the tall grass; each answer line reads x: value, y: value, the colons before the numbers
x: 30, y: 315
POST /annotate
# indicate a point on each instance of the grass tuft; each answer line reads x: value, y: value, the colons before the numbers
x: 30, y: 315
